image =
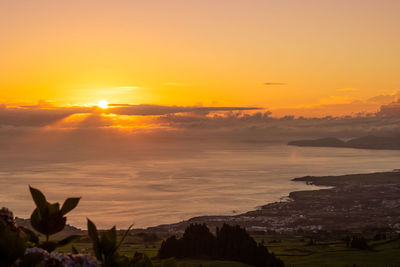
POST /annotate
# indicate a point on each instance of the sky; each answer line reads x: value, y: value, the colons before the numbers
x: 95, y: 82
x: 291, y: 57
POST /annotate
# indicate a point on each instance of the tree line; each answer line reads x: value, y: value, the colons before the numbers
x: 230, y: 243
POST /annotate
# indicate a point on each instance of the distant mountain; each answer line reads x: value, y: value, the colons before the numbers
x: 323, y: 142
x: 366, y: 142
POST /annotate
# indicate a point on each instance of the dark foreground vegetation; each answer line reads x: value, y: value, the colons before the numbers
x: 230, y: 243
x: 294, y: 249
x: 20, y: 246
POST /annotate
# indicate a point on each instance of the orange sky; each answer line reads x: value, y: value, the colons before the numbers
x: 211, y: 52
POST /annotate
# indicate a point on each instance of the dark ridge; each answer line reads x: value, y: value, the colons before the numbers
x: 323, y: 142
x: 365, y: 142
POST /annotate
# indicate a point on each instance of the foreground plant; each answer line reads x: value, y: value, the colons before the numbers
x: 12, y: 244
x: 106, y: 245
x: 49, y: 219
x: 20, y: 247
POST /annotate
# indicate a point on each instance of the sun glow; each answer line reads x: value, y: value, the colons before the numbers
x: 102, y: 104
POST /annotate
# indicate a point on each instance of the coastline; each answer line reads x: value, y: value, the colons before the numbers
x: 352, y: 203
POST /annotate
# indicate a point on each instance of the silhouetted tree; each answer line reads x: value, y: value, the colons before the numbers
x: 359, y: 243
x: 172, y: 247
x: 347, y: 240
x: 230, y: 243
x: 198, y: 241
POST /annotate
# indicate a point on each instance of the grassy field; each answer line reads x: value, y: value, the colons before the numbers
x: 293, y: 250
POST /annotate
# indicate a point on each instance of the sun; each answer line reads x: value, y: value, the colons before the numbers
x: 102, y: 104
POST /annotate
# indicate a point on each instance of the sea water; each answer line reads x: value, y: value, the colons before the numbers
x: 168, y: 188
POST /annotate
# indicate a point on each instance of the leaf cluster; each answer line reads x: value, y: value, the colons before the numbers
x: 48, y: 219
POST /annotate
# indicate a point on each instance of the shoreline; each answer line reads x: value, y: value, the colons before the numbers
x: 351, y: 202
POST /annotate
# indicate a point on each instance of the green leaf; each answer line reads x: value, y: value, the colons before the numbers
x: 54, y: 209
x: 69, y: 205
x: 55, y: 224
x: 68, y: 240
x: 92, y: 230
x: 93, y: 234
x: 36, y: 220
x: 38, y: 198
x: 49, y: 224
x: 48, y: 219
x: 108, y: 241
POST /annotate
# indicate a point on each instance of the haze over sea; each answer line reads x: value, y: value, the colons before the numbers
x: 169, y: 187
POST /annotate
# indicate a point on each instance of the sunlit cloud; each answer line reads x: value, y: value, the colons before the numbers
x: 390, y: 110
x: 338, y: 105
x: 385, y: 99
x: 146, y: 110
x: 37, y: 117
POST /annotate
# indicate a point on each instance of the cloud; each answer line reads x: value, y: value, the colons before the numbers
x: 385, y: 99
x: 36, y: 116
x: 44, y: 114
x: 390, y: 110
x: 41, y: 104
x: 78, y: 136
x: 334, y: 109
x: 341, y: 105
x: 214, y: 124
x: 152, y: 110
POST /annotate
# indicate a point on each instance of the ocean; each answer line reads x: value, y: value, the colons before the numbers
x: 167, y: 188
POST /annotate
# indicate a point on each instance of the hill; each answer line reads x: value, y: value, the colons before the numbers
x: 365, y: 142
